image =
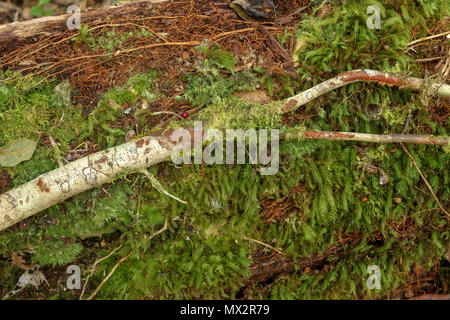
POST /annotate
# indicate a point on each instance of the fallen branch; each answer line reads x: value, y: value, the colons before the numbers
x: 79, y: 176
x: 13, y: 34
x: 380, y: 77
x: 99, y: 168
x: 367, y: 137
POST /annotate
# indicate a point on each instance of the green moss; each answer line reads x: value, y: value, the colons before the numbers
x: 108, y: 40
x: 203, y: 254
x: 234, y: 113
x: 210, y: 83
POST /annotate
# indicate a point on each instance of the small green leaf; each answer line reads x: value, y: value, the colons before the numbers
x: 17, y: 151
x: 36, y: 10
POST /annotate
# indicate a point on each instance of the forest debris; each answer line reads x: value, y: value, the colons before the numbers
x: 275, y: 45
x: 99, y: 168
x: 16, y: 33
x: 367, y: 137
x: 343, y: 79
x: 80, y: 175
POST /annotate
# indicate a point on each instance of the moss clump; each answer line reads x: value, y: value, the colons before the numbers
x: 108, y: 40
x: 213, y: 81
x: 235, y: 113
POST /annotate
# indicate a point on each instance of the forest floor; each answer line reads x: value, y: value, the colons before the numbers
x: 97, y: 64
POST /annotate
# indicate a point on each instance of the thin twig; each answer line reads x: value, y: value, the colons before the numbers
x: 166, y: 112
x: 430, y: 59
x: 367, y: 137
x: 428, y: 38
x: 57, y: 151
x: 92, y: 271
x: 155, y: 183
x: 263, y: 244
x: 424, y: 179
x: 109, y: 276
x: 122, y: 260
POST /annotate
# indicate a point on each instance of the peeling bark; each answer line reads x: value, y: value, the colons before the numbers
x: 380, y: 77
x: 79, y: 176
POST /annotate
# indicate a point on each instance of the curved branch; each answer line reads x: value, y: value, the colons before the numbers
x: 380, y: 77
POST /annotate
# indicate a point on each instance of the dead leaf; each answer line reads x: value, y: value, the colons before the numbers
x: 17, y: 151
x: 19, y: 262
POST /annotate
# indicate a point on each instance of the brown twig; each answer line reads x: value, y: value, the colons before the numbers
x: 109, y: 276
x: 122, y: 260
x: 343, y: 79
x: 275, y: 45
x: 424, y: 179
x: 368, y: 137
x: 92, y: 271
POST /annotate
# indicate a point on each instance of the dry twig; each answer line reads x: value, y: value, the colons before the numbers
x: 424, y: 179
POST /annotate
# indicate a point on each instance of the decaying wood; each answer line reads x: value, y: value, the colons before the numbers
x: 13, y: 34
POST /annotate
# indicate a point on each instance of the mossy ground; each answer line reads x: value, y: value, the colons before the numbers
x: 206, y: 251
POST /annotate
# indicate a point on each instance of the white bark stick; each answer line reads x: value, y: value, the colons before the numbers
x: 79, y: 176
